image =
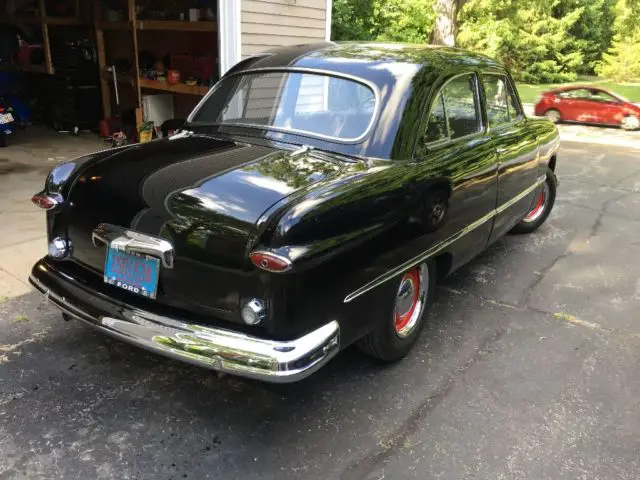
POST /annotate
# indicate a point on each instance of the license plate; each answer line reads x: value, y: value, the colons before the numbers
x: 134, y: 272
x: 6, y: 118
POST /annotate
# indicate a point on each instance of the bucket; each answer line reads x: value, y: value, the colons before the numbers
x: 146, y: 136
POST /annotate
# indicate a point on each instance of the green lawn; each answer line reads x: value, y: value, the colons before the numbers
x: 631, y: 91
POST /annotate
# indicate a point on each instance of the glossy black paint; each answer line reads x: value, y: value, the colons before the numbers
x: 343, y: 213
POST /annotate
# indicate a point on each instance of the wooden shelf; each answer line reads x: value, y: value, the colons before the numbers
x: 23, y: 68
x: 123, y: 25
x: 64, y: 21
x: 175, y: 25
x: 175, y: 87
x: 159, y: 85
x: 26, y: 20
x: 179, y: 25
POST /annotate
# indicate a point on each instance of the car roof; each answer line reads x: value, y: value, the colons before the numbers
x: 568, y: 88
x: 365, y: 59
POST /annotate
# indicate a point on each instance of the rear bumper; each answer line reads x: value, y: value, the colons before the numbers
x: 215, y: 348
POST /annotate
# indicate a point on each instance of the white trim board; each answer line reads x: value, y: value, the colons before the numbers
x: 229, y: 43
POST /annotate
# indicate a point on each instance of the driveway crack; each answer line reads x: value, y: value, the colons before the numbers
x: 394, y: 442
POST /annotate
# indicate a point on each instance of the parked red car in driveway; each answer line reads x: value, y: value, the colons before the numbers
x: 588, y: 104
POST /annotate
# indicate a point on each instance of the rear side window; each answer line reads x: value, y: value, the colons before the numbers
x: 437, y: 124
x: 502, y: 106
x: 455, y: 112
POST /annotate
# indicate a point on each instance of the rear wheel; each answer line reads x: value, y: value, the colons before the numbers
x: 541, y: 208
x: 630, y: 122
x: 553, y: 115
x: 393, y: 338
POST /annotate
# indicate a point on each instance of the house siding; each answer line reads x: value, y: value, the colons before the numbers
x: 269, y: 23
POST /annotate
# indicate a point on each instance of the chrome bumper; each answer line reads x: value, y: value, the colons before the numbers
x: 214, y: 348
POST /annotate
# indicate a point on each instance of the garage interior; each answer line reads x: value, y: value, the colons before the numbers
x: 127, y: 70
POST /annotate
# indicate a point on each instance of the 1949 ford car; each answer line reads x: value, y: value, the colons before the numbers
x: 312, y: 200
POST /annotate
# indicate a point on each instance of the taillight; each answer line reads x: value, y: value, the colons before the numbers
x: 46, y: 202
x: 270, y: 261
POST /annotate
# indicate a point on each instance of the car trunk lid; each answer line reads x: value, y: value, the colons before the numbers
x: 202, y: 195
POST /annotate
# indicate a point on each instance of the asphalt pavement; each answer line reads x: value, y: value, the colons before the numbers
x: 528, y: 369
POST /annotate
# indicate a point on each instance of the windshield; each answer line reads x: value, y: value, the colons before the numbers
x: 312, y: 104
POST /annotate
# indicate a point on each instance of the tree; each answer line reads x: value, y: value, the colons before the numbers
x: 354, y: 20
x: 445, y: 29
x: 532, y: 38
x: 622, y: 61
x: 593, y: 31
x: 382, y: 20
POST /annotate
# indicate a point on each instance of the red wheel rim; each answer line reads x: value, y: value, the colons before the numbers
x: 409, y: 286
x: 538, y: 208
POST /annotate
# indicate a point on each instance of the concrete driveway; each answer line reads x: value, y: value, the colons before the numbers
x: 527, y: 369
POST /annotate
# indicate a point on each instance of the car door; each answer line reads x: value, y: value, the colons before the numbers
x: 453, y: 145
x: 517, y: 150
x: 606, y: 108
x: 581, y: 107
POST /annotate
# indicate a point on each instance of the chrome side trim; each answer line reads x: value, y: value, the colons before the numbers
x: 215, y: 348
x: 129, y: 241
x: 442, y: 245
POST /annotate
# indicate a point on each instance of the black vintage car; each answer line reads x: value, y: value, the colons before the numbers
x: 312, y: 200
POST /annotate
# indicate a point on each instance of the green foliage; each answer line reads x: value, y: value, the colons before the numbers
x: 383, y: 20
x: 541, y: 41
x: 622, y: 61
x: 536, y: 39
x: 353, y: 20
x: 593, y: 31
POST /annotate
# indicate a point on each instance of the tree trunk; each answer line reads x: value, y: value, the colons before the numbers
x: 446, y: 28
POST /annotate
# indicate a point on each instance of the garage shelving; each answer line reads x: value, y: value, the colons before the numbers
x: 141, y: 34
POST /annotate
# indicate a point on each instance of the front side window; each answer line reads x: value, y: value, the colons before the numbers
x: 298, y: 102
x: 502, y: 105
x: 496, y: 93
x: 461, y: 104
x: 455, y: 112
x: 578, y: 94
x: 601, y: 96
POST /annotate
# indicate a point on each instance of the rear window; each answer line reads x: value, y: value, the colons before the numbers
x: 312, y: 104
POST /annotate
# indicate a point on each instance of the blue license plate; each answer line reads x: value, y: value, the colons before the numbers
x: 134, y: 272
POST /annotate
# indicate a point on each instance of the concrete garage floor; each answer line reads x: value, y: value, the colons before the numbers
x: 527, y: 369
x: 23, y: 169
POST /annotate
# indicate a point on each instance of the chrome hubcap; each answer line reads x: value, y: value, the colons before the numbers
x: 410, y: 300
x: 631, y: 122
x: 553, y: 116
x: 540, y: 206
x: 437, y: 212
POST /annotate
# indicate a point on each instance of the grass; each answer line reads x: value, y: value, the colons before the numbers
x: 530, y: 93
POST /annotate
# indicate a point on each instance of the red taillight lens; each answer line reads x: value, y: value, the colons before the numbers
x: 46, y: 202
x: 270, y: 261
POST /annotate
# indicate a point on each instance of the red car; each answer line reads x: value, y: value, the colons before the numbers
x: 588, y: 104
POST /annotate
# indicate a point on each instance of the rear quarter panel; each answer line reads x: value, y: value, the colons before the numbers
x: 548, y: 141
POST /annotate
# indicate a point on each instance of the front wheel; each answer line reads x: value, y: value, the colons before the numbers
x: 541, y: 208
x: 394, y: 337
x: 554, y: 115
x: 630, y: 122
